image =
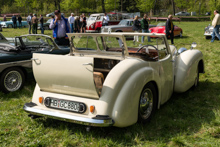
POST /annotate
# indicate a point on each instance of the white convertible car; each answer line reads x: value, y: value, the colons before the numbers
x: 111, y: 80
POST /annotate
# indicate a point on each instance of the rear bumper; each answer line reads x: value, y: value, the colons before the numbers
x: 100, y: 121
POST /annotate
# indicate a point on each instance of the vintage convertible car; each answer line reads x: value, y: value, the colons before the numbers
x: 123, y: 26
x: 107, y: 79
x: 15, y: 58
x: 9, y: 24
x: 208, y: 31
x: 160, y: 28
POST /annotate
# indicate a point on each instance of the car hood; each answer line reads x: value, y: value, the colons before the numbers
x: 156, y: 29
x: 70, y: 75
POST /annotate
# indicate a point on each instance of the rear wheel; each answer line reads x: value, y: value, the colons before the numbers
x: 207, y: 37
x: 10, y: 26
x: 12, y: 80
x: 147, y: 103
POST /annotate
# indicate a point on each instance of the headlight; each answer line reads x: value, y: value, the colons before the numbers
x: 92, y: 26
x: 149, y: 31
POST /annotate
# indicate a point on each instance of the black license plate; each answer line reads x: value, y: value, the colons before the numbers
x: 65, y: 105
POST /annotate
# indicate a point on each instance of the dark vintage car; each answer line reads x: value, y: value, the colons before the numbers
x: 123, y: 26
x: 15, y: 58
x: 45, y: 25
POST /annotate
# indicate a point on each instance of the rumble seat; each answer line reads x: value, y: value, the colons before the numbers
x: 98, y: 80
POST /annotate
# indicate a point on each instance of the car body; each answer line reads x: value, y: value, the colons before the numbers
x: 182, y: 14
x: 109, y: 80
x: 9, y: 24
x: 45, y: 25
x: 15, y: 58
x: 208, y: 32
x: 207, y: 13
x: 160, y: 28
x: 94, y: 23
x: 124, y: 25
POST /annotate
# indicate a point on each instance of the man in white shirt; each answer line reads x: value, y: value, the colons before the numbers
x: 71, y: 20
x: 105, y: 20
x: 216, y: 25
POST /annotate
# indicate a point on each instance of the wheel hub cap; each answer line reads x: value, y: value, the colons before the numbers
x: 13, y: 81
x: 146, y: 103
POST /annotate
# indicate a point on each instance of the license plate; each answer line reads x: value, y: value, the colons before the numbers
x: 65, y: 105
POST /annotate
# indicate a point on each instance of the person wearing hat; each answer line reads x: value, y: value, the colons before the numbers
x: 60, y: 26
x: 71, y: 20
x: 34, y: 21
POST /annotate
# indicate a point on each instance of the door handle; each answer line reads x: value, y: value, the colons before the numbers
x: 88, y: 64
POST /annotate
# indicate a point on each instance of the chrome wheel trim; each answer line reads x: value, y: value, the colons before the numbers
x: 146, y: 103
x: 12, y: 81
x: 181, y: 34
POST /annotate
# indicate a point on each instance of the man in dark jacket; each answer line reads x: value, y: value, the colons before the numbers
x: 19, y: 21
x: 14, y: 20
x: 41, y: 24
x: 144, y: 27
x: 169, y: 28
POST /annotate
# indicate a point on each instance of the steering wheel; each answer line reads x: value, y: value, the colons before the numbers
x: 146, y: 46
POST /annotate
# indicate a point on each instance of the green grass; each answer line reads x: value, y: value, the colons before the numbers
x: 187, y: 119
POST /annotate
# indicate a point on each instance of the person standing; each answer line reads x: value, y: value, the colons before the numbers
x: 34, y: 21
x: 29, y: 22
x: 169, y: 28
x: 71, y: 20
x: 81, y: 23
x: 19, y: 21
x: 105, y: 20
x: 5, y: 19
x: 14, y: 20
x: 84, y: 23
x: 60, y: 26
x: 145, y: 27
x: 136, y: 27
x: 77, y: 25
x: 216, y: 25
x: 41, y: 24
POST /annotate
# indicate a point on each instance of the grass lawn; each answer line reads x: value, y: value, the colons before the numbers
x: 187, y: 119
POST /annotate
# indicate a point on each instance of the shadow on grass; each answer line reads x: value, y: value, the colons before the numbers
x: 183, y: 114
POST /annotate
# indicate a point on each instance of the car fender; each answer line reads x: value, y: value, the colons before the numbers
x: 122, y: 89
x: 185, y: 72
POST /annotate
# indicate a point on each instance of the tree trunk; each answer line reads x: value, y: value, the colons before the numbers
x: 173, y: 7
x: 103, y: 6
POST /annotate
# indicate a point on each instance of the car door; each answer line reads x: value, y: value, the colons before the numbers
x: 166, y: 70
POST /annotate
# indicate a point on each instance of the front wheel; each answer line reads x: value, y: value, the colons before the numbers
x: 147, y: 103
x: 12, y: 80
x: 181, y: 35
x: 196, y: 83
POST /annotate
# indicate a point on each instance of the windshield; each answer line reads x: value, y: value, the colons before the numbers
x: 149, y: 51
x: 37, y: 41
x: 92, y: 18
x: 160, y: 24
x: 124, y: 22
x: 49, y: 20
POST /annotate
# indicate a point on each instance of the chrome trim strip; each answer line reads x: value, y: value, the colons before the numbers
x: 16, y: 62
x: 69, y: 118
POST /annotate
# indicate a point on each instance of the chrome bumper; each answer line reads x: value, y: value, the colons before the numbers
x: 100, y: 121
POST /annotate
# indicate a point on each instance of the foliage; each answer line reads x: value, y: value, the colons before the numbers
x: 161, y: 7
